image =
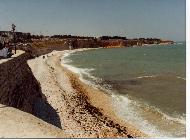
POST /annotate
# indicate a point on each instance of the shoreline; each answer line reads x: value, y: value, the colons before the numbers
x: 91, y: 89
x: 102, y: 102
x: 80, y: 107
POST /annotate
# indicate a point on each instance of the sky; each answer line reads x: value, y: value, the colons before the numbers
x: 131, y: 18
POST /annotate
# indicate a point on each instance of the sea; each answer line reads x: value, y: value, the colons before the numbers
x: 147, y: 84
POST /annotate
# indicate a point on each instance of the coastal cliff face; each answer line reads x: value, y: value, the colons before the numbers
x: 18, y: 86
x: 85, y: 43
x: 62, y: 44
x: 116, y: 43
x: 43, y: 46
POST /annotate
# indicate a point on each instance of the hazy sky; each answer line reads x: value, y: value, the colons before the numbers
x: 130, y: 18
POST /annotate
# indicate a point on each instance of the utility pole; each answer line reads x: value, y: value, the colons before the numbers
x: 13, y: 30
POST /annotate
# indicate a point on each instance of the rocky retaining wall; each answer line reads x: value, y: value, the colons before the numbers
x: 20, y: 89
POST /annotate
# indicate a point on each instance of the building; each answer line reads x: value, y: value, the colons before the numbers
x: 7, y: 36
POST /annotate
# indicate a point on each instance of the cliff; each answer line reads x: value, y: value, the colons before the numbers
x: 112, y: 43
x: 46, y: 44
x: 166, y: 42
x: 41, y: 47
x: 63, y: 44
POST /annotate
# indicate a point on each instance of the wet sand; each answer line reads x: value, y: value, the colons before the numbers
x: 84, y: 112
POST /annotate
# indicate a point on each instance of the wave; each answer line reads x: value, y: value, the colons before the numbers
x: 177, y: 118
x: 82, y: 72
x: 179, y: 43
x: 154, y: 76
x: 128, y: 109
x: 181, y: 78
x: 134, y: 112
x: 146, y: 76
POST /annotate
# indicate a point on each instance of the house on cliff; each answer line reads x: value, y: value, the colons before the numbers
x: 7, y: 36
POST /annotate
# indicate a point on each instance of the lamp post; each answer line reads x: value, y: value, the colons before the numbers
x: 13, y: 30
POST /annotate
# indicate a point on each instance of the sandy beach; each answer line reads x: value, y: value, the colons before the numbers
x: 84, y: 112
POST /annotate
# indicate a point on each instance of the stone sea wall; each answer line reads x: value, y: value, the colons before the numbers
x: 18, y: 86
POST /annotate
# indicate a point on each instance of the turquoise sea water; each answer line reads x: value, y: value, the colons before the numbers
x: 147, y: 84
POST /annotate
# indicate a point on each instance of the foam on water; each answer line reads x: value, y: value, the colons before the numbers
x: 153, y: 76
x: 132, y: 112
x: 181, y: 78
x: 146, y: 76
x: 126, y: 108
x: 80, y: 71
x: 85, y: 72
x: 131, y: 115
